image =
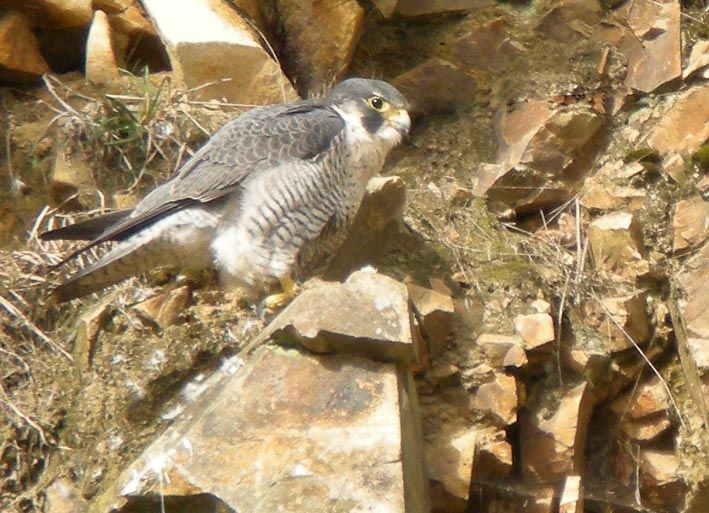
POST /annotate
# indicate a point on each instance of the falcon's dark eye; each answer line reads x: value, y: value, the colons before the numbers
x: 378, y: 104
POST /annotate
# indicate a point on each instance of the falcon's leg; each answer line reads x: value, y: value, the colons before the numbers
x: 290, y: 290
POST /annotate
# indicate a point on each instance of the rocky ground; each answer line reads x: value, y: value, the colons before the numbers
x: 535, y: 338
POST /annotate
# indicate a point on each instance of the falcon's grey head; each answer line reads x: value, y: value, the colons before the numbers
x: 375, y: 106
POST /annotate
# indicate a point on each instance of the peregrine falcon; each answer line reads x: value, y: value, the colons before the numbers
x: 268, y: 199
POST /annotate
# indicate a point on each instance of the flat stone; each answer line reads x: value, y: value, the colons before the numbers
x: 498, y: 398
x: 449, y: 461
x: 386, y: 7
x: 646, y: 399
x: 603, y: 192
x: 540, y: 157
x: 290, y: 432
x: 58, y: 14
x: 72, y: 182
x: 207, y: 41
x: 101, y: 61
x: 435, y: 314
x: 685, y: 126
x: 647, y: 429
x: 653, y: 49
x: 367, y: 315
x: 166, y: 309
x: 553, y: 437
x: 493, y: 459
x: 698, y: 59
x: 617, y: 246
x: 487, y: 47
x: 320, y: 39
x: 690, y: 223
x: 437, y: 86
x: 535, y: 329
x: 623, y: 317
x: 503, y: 350
x: 88, y: 329
x: 20, y: 59
x: 571, y: 500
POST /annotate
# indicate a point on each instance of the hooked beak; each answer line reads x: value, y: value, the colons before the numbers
x: 398, y: 119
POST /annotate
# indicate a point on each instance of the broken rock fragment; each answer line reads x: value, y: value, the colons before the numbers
x: 553, y: 436
x: 101, y: 61
x: 685, y: 126
x: 208, y: 42
x: 289, y: 432
x: 437, y: 86
x: 20, y: 59
x: 497, y: 397
x: 543, y: 155
x: 320, y: 39
x: 367, y: 315
x: 617, y: 246
x: 690, y: 223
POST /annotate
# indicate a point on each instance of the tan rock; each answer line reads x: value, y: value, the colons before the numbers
x: 503, y: 350
x: 698, y: 59
x: 571, y: 500
x: 653, y: 48
x: 623, y: 319
x: 646, y: 429
x: 603, y: 191
x: 690, y: 223
x: 88, y: 328
x: 386, y: 7
x: 553, y: 437
x: 289, y: 431
x: 437, y: 86
x: 535, y: 329
x: 693, y: 281
x: 487, y: 47
x: 320, y: 39
x: 64, y: 496
x: 435, y: 314
x: 101, y: 62
x: 424, y: 7
x: 58, y: 14
x: 20, y: 59
x: 700, y: 353
x: 542, y: 147
x: 685, y: 126
x: 569, y: 20
x: 646, y: 399
x: 367, y: 315
x: 498, y: 398
x: 449, y: 461
x: 617, y: 246
x: 165, y: 309
x: 207, y: 42
x: 493, y: 459
x: 72, y: 182
x: 660, y: 483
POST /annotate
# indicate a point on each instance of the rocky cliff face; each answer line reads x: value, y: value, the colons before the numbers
x: 534, y: 338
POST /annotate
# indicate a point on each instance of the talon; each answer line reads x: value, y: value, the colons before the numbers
x: 290, y: 290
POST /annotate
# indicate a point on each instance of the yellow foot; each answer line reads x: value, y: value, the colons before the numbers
x: 290, y: 290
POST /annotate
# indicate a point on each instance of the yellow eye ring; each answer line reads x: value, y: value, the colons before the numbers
x: 378, y: 103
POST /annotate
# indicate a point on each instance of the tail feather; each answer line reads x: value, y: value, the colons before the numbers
x: 87, y: 230
x: 122, y: 262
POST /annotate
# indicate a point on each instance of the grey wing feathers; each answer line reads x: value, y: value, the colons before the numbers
x: 258, y: 139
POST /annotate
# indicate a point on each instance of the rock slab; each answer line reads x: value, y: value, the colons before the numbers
x: 291, y: 432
